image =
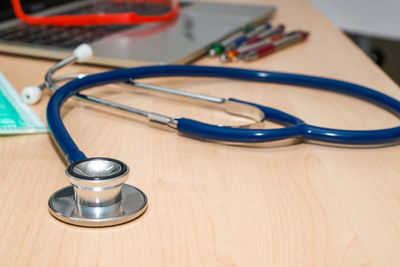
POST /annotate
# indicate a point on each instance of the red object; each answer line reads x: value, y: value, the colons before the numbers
x: 265, y: 50
x: 304, y: 35
x: 253, y: 40
x: 273, y: 37
x: 97, y: 19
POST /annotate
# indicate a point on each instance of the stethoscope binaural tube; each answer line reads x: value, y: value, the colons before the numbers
x: 206, y: 131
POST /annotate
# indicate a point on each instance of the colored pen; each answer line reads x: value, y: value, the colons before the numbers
x: 239, y: 41
x: 273, y: 34
x: 217, y: 49
x: 288, y: 39
x: 265, y: 34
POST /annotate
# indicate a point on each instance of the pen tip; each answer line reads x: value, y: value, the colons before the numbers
x: 212, y: 52
x: 224, y: 58
x: 304, y: 34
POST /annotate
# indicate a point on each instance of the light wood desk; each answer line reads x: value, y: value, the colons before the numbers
x: 212, y: 204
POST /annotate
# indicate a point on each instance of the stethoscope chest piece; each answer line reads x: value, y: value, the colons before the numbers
x: 98, y: 196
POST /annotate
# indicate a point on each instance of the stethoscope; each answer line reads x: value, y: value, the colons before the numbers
x: 98, y: 195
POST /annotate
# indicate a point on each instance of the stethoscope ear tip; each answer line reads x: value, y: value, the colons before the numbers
x: 31, y: 94
x: 83, y: 52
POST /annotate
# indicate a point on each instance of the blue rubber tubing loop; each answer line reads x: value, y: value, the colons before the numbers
x: 196, y: 129
x: 296, y: 127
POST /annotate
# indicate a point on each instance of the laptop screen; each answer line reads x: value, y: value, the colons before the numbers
x: 29, y: 6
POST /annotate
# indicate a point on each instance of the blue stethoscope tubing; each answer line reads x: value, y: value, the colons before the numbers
x: 294, y: 127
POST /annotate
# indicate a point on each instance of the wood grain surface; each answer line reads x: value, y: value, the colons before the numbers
x: 282, y: 204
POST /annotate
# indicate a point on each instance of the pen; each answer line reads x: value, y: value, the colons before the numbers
x: 249, y: 35
x: 265, y: 34
x: 288, y: 39
x: 231, y: 55
x: 217, y: 49
x: 239, y: 41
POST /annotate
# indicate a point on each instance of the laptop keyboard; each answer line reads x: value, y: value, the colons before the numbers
x: 143, y: 9
x: 65, y: 37
x: 72, y: 36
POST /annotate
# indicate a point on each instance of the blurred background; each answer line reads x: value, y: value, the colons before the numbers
x: 374, y: 25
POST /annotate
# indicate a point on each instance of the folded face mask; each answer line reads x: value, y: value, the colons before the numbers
x: 15, y: 116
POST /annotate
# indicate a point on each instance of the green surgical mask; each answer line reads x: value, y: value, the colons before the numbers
x: 15, y: 116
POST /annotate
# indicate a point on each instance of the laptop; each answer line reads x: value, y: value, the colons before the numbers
x: 199, y: 24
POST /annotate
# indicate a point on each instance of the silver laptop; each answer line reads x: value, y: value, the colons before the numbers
x: 183, y: 40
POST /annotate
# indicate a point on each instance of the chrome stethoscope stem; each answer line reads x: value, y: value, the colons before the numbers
x: 50, y: 82
x: 153, y: 117
x: 48, y: 78
x: 212, y: 99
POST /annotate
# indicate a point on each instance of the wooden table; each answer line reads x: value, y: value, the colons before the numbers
x: 280, y: 204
